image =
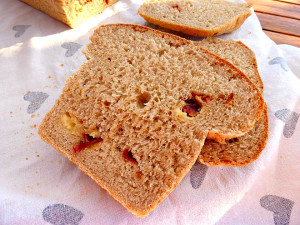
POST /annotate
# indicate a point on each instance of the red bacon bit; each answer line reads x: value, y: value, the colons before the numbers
x: 176, y: 7
x: 139, y: 175
x: 88, y: 141
x: 127, y: 155
x: 221, y: 96
x: 106, y: 1
x: 191, y: 110
x: 230, y: 97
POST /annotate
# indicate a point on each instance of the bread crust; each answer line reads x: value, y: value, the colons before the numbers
x: 254, y: 65
x: 228, y: 27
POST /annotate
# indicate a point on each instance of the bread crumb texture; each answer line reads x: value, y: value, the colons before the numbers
x: 127, y: 94
x: 202, y: 18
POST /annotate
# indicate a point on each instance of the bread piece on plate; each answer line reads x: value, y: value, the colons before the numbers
x: 145, y: 101
x: 243, y: 150
x: 70, y: 12
x: 202, y: 18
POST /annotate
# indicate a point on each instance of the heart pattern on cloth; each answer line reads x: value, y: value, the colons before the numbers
x: 198, y: 173
x: 36, y: 99
x: 281, y: 207
x: 281, y: 61
x: 290, y: 118
x: 20, y: 30
x: 71, y: 47
x: 60, y: 214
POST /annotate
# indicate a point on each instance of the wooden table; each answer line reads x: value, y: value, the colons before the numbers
x: 280, y: 19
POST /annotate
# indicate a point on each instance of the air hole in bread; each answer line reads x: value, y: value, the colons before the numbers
x: 143, y: 99
x: 233, y: 140
x: 129, y: 61
x: 121, y: 130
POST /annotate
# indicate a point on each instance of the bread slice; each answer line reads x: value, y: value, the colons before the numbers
x: 243, y: 150
x: 132, y: 101
x: 72, y: 12
x: 237, y: 54
x: 201, y: 18
x: 239, y: 151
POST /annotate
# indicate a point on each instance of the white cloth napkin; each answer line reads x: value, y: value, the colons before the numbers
x: 40, y: 186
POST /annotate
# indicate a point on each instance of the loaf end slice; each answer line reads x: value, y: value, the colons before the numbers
x: 121, y: 118
x: 71, y: 13
x: 203, y: 18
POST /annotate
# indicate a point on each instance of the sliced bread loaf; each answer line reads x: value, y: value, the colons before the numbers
x: 70, y: 12
x: 145, y: 101
x: 243, y: 150
x: 201, y: 18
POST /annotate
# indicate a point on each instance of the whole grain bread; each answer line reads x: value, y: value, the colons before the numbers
x: 243, y: 150
x: 145, y: 102
x: 71, y: 12
x: 201, y: 18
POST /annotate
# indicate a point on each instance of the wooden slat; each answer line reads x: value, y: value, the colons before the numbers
x: 283, y: 38
x: 279, y: 24
x: 276, y: 8
x: 290, y: 1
